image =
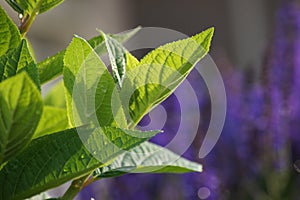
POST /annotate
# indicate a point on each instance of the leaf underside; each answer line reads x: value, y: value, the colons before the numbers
x: 117, y: 57
x: 147, y: 158
x: 53, y: 66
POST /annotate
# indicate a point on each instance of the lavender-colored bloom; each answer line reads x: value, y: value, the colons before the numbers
x: 283, y: 80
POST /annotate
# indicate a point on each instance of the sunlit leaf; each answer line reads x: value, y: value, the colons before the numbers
x: 20, y: 111
x: 148, y: 158
x: 160, y: 72
x: 56, y: 96
x: 89, y: 88
x: 53, y: 66
x: 53, y: 120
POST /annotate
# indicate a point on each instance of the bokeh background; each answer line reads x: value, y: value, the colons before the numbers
x: 243, y: 27
x: 257, y: 49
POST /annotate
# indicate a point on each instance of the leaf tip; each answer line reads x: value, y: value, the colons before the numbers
x: 77, y: 36
x: 199, y: 168
x: 210, y: 34
x: 205, y: 37
x: 76, y: 39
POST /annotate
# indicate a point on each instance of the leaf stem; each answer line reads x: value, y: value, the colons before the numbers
x: 28, y: 19
x: 26, y: 22
x: 76, y: 186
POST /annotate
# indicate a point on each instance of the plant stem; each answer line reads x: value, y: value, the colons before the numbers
x: 26, y: 22
x: 75, y: 187
x: 28, y: 19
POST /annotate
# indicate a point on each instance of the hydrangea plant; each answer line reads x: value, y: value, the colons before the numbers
x: 84, y: 128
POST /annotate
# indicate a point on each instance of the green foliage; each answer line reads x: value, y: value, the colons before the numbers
x: 172, y: 62
x: 53, y: 120
x: 18, y: 60
x: 52, y: 160
x: 20, y: 111
x: 9, y: 34
x: 47, y: 71
x: 56, y: 96
x: 93, y: 84
x: 31, y: 6
x: 147, y: 158
x: 84, y: 127
x: 117, y: 56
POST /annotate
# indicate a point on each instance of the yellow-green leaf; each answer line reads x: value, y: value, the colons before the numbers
x: 53, y: 66
x: 160, y: 72
x: 56, y: 96
x: 89, y: 88
x: 53, y: 120
x: 20, y: 111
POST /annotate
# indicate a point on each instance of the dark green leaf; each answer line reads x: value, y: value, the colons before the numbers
x: 54, y: 159
x: 9, y: 34
x: 30, y: 6
x: 18, y: 60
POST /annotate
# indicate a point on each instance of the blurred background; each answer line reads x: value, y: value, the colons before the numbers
x: 257, y: 49
x: 242, y: 27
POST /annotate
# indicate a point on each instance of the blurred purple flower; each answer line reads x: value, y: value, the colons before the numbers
x: 283, y: 83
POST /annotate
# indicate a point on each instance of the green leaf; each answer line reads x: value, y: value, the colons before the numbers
x: 49, y: 4
x: 53, y: 120
x: 98, y: 42
x: 9, y: 34
x: 56, y: 96
x: 20, y: 111
x: 147, y: 158
x: 54, y: 159
x: 117, y: 57
x: 53, y: 66
x: 19, y: 60
x: 89, y: 88
x: 31, y: 6
x: 131, y: 61
x: 160, y: 72
x: 124, y: 36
